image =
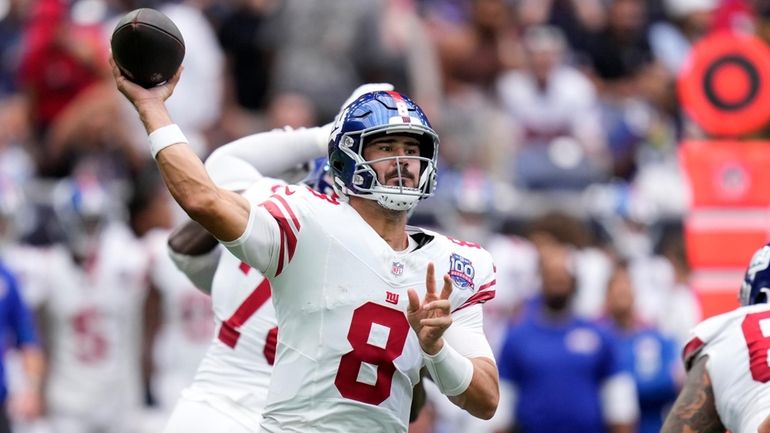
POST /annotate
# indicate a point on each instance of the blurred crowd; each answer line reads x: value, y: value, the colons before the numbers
x: 559, y: 126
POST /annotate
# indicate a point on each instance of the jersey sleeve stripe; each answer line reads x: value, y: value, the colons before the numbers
x: 229, y: 333
x: 480, y: 297
x: 487, y: 285
x: 691, y: 350
x: 288, y: 237
x: 290, y: 212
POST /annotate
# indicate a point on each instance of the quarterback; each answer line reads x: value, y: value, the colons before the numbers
x: 354, y: 289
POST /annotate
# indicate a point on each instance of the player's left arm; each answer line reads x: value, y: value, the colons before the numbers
x: 695, y: 408
x: 467, y: 374
x: 466, y: 335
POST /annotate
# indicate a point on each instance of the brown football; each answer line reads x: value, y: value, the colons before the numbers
x: 147, y: 47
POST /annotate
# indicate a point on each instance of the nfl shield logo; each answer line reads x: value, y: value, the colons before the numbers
x: 397, y: 269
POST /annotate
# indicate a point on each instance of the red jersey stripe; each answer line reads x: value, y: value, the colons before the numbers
x: 288, y: 238
x: 478, y: 298
x: 290, y: 212
x: 690, y: 350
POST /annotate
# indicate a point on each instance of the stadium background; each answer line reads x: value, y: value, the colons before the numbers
x: 559, y: 114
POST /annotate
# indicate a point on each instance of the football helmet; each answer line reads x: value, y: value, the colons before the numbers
x: 83, y: 206
x: 372, y: 115
x: 756, y: 282
x: 318, y: 176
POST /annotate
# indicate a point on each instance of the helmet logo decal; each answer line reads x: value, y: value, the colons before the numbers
x: 759, y: 262
x: 401, y: 107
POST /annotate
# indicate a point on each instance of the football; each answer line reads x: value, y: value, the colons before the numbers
x: 147, y: 47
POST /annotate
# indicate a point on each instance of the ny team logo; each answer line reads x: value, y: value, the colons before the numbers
x: 461, y: 271
x: 391, y: 297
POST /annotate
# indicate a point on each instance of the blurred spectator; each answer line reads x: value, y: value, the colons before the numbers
x: 72, y: 104
x: 554, y: 106
x: 578, y: 18
x: 475, y: 133
x: 12, y: 16
x: 568, y: 378
x: 652, y: 358
x: 475, y: 43
x: 690, y: 20
x: 197, y: 101
x: 663, y: 293
x: 321, y: 58
x: 620, y: 49
x: 591, y: 265
x: 248, y: 40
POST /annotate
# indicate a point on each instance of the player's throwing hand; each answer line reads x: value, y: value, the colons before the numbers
x: 430, y: 318
x: 138, y: 94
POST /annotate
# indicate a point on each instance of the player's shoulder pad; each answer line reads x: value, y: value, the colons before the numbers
x: 471, y: 269
x: 705, y: 332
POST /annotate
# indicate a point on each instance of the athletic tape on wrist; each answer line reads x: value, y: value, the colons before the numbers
x: 451, y: 372
x: 164, y: 137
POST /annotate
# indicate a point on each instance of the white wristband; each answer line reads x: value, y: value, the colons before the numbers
x: 451, y: 372
x: 164, y: 137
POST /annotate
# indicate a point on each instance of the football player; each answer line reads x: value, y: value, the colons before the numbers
x: 230, y: 386
x: 90, y: 301
x: 727, y: 363
x: 354, y: 288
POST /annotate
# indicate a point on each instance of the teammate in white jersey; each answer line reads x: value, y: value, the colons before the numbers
x: 727, y: 363
x: 90, y: 298
x: 347, y: 275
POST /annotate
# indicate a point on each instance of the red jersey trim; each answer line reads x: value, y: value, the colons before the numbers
x: 690, y: 351
x: 483, y: 295
x: 288, y: 237
x: 290, y: 212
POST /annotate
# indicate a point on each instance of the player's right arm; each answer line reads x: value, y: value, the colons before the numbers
x: 222, y: 213
x: 695, y: 408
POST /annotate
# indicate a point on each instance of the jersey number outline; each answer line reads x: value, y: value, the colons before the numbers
x: 229, y: 332
x: 91, y: 343
x: 758, y: 345
x: 364, y: 318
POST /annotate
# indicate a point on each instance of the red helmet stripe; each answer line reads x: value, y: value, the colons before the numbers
x: 401, y: 106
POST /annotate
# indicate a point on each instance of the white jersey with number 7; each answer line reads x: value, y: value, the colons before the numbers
x: 737, y: 344
x: 347, y: 358
x: 234, y: 374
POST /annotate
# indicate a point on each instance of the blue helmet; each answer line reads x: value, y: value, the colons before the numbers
x: 318, y: 176
x: 372, y: 115
x: 756, y: 282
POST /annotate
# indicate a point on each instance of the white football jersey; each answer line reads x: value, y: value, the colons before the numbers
x: 93, y: 326
x: 737, y: 344
x: 187, y: 326
x: 234, y: 374
x: 347, y: 359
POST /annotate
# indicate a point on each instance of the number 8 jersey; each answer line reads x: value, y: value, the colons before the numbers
x: 737, y: 344
x: 347, y: 359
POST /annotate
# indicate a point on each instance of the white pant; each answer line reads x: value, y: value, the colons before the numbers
x: 200, y: 417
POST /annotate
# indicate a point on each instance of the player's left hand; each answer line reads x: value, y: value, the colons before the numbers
x: 430, y: 318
